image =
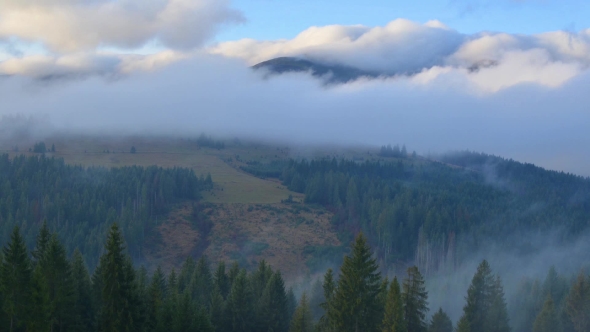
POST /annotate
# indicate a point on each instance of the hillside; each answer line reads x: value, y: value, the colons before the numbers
x: 298, y: 208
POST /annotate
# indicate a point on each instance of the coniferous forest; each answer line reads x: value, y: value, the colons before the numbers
x: 73, y: 238
x: 45, y: 290
x: 80, y: 203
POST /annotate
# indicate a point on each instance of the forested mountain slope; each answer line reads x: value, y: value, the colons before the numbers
x: 434, y: 213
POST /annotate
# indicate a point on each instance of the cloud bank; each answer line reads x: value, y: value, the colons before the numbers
x: 527, y: 122
x: 494, y: 60
x: 518, y: 96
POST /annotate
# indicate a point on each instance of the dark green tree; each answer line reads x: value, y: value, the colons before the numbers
x: 57, y: 273
x: 393, y: 318
x: 240, y: 311
x: 415, y: 299
x: 116, y: 311
x: 83, y: 310
x: 273, y: 311
x: 497, y: 315
x: 326, y: 324
x: 356, y: 305
x: 440, y: 322
x: 16, y: 282
x: 479, y: 297
x: 302, y: 319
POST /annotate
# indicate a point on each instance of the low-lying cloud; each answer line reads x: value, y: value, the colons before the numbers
x: 528, y: 122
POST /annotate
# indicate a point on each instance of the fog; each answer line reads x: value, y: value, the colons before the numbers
x: 205, y: 93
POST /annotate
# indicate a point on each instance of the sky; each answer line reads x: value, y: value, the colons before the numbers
x: 504, y: 77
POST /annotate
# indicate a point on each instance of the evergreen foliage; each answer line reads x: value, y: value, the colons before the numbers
x: 356, y: 305
x: 393, y: 319
x: 302, y: 319
x: 486, y: 307
x: 415, y: 300
x: 40, y: 194
x: 547, y: 320
x: 440, y: 322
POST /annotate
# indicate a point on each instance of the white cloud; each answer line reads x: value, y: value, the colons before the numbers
x: 82, y: 25
x: 82, y: 65
x: 432, y: 49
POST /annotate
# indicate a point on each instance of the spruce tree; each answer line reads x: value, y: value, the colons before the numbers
x: 57, y: 273
x: 355, y: 302
x: 202, y: 283
x: 83, y: 310
x: 39, y: 308
x: 157, y: 296
x: 273, y: 310
x: 16, y: 281
x: 221, y: 280
x: 239, y: 305
x: 326, y: 324
x: 42, y: 244
x: 116, y: 312
x: 497, y: 315
x: 302, y: 318
x: 578, y: 304
x: 463, y: 325
x: 393, y: 318
x: 440, y: 322
x: 479, y: 296
x: 415, y: 300
x: 217, y: 310
x: 547, y: 320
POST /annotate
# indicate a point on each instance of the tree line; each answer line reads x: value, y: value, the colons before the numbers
x: 44, y: 290
x: 79, y: 203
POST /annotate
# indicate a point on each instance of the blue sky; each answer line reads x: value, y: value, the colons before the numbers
x: 272, y: 19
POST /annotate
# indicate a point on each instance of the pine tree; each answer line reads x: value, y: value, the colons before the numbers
x: 393, y: 318
x: 463, y: 325
x: 291, y: 304
x: 325, y: 323
x: 479, y: 296
x: 57, y: 273
x: 415, y: 299
x: 239, y: 305
x: 497, y: 315
x: 273, y: 309
x: 83, y: 307
x: 202, y: 283
x: 39, y: 308
x: 221, y: 280
x: 302, y: 319
x: 578, y: 304
x: 355, y: 301
x: 547, y: 320
x: 157, y: 295
x: 440, y: 322
x: 43, y: 239
x: 217, y: 310
x: 116, y: 312
x: 16, y: 281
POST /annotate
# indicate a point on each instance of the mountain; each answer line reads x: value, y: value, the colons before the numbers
x: 331, y: 73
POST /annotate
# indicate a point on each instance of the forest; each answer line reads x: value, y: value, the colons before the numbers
x: 79, y: 203
x: 434, y: 214
x: 45, y: 290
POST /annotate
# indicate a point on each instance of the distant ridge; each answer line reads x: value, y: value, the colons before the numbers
x: 331, y: 73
